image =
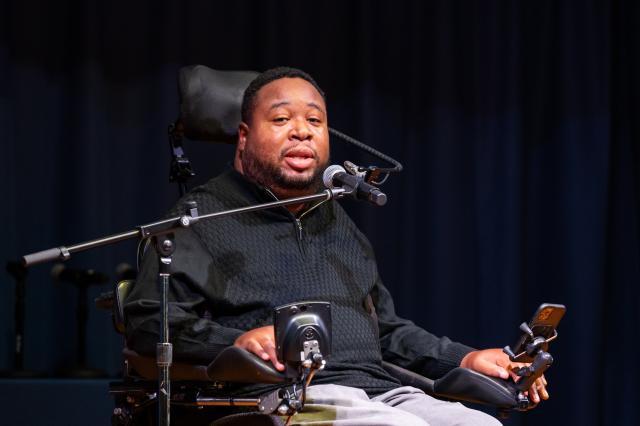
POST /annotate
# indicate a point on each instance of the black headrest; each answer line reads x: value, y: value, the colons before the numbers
x: 210, y: 102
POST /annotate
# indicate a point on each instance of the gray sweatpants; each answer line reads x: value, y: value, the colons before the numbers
x: 405, y: 406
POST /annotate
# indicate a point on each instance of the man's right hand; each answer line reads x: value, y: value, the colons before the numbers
x: 261, y: 342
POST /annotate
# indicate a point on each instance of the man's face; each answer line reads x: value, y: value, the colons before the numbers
x: 285, y: 146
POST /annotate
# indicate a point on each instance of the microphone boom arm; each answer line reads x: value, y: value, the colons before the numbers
x: 166, y: 226
x: 161, y: 233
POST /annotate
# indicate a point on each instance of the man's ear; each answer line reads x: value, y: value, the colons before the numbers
x: 243, y: 131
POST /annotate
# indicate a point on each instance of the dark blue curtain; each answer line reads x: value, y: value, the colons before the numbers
x: 517, y: 124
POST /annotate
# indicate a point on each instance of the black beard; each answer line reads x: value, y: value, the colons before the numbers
x: 272, y: 177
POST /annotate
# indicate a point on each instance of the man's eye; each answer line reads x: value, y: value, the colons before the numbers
x: 280, y: 120
x: 315, y: 120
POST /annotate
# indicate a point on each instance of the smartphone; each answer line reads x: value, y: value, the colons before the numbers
x: 543, y: 324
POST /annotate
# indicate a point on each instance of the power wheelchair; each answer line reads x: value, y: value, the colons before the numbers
x: 210, y: 110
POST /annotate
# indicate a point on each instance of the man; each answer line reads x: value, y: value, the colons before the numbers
x: 229, y: 274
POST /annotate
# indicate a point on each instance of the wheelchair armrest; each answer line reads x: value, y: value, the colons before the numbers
x: 235, y: 364
x: 409, y: 378
x: 146, y: 367
x: 464, y: 384
x: 461, y: 384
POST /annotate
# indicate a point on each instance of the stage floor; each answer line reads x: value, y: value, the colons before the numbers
x: 68, y: 402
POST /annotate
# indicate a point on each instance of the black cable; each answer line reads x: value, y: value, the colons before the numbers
x: 397, y: 166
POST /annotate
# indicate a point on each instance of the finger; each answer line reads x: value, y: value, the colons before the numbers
x: 513, y: 374
x: 256, y: 348
x: 533, y: 394
x: 270, y: 348
x: 514, y: 367
x: 247, y: 345
x: 542, y: 389
x: 492, y: 369
x: 502, y: 373
x: 544, y: 380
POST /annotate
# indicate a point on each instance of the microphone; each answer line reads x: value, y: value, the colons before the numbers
x: 60, y: 272
x: 336, y: 176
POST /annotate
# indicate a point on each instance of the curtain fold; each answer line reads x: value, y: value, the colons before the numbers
x: 517, y: 124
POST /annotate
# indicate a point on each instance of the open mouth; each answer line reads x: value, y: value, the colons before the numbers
x: 300, y: 159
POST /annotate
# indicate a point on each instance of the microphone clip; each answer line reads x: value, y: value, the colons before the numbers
x: 355, y: 185
x: 370, y: 174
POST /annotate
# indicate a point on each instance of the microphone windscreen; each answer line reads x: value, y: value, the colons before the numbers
x: 329, y: 173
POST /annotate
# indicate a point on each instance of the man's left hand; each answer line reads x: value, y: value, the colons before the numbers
x: 494, y: 362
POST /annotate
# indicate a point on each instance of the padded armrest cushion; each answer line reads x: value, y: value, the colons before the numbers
x: 463, y: 384
x: 234, y: 364
x: 147, y: 368
x: 231, y: 365
x: 460, y: 384
x: 409, y: 378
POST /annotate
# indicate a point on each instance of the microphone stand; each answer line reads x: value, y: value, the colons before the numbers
x: 82, y: 282
x: 161, y: 234
x: 19, y: 274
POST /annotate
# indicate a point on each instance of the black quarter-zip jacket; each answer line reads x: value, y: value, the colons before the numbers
x: 229, y: 273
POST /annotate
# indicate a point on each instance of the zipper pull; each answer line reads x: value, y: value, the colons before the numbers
x: 299, y: 224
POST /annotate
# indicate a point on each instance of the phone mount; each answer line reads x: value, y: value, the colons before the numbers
x: 534, y: 350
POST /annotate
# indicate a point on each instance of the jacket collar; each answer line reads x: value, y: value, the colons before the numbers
x: 251, y: 193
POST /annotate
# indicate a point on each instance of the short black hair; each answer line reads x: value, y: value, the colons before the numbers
x: 250, y: 93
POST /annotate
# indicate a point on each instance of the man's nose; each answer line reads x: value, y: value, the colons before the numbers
x: 300, y: 130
